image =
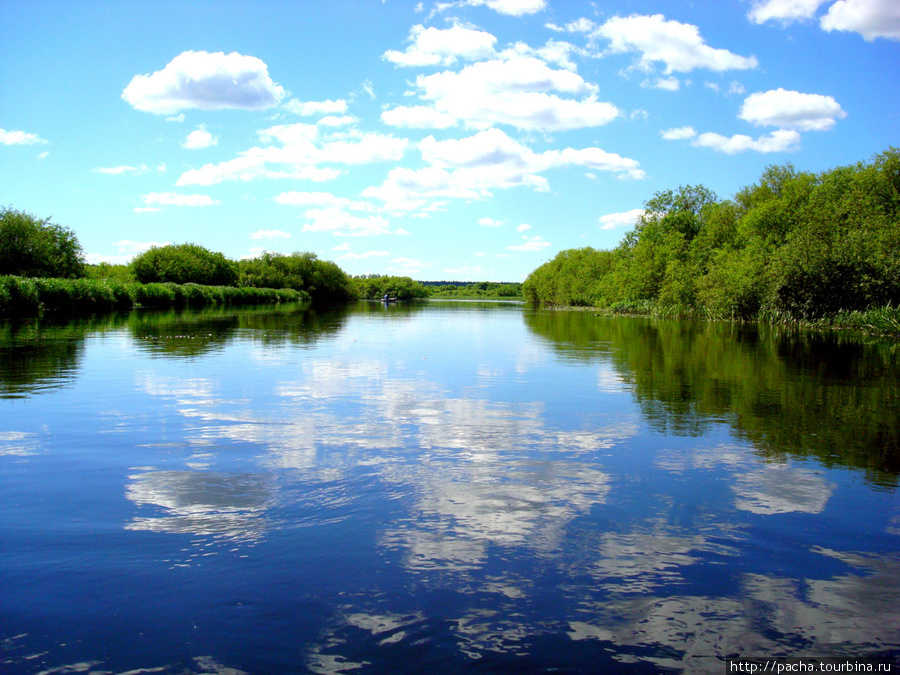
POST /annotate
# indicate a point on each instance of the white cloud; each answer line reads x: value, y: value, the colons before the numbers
x: 362, y: 256
x: 435, y: 46
x: 678, y: 133
x: 677, y: 45
x: 783, y: 10
x: 205, y: 81
x: 523, y: 227
x: 301, y: 150
x: 19, y: 138
x: 417, y: 117
x: 270, y: 234
x: 781, y: 140
x: 176, y: 118
x: 512, y: 7
x: 119, y: 170
x: 470, y: 168
x: 625, y: 219
x: 517, y: 91
x: 248, y: 168
x: 490, y: 222
x: 535, y: 243
x: 310, y: 108
x: 199, y: 138
x: 176, y: 199
x: 792, y: 110
x: 333, y: 219
x: 664, y: 83
x: 337, y: 121
x: 870, y: 18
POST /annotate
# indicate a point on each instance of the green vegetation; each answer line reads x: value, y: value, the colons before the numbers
x: 794, y: 247
x: 31, y: 247
x: 474, y: 290
x: 120, y: 273
x: 25, y: 296
x: 374, y: 287
x: 184, y: 264
x: 324, y: 281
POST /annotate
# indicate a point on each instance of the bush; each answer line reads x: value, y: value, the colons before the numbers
x: 30, y: 247
x: 184, y: 264
x: 324, y: 281
x: 375, y: 288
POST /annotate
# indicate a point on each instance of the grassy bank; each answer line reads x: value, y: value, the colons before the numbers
x: 26, y: 296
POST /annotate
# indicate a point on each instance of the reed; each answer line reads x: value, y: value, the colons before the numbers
x: 29, y: 297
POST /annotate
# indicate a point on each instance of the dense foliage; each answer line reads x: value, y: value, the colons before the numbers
x: 184, y: 264
x: 323, y: 280
x: 476, y: 289
x: 30, y: 296
x: 795, y: 246
x: 375, y: 287
x: 30, y: 247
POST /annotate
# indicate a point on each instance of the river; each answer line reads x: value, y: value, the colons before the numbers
x: 442, y: 487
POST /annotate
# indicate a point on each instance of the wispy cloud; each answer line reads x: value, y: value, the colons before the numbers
x: 19, y: 138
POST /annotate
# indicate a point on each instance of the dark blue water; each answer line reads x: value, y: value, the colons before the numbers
x: 442, y: 488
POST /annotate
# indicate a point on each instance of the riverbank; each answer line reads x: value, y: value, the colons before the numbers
x: 22, y: 296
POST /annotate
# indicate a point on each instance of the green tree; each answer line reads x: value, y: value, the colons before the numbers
x: 323, y: 280
x: 31, y: 247
x: 184, y: 264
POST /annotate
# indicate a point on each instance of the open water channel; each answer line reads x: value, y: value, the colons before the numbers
x: 442, y: 487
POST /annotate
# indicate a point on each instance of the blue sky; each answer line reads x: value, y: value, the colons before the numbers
x: 469, y: 139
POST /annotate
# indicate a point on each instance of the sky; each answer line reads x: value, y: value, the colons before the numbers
x: 465, y: 140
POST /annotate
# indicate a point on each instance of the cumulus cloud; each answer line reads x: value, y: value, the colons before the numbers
x: 679, y: 46
x: 176, y: 199
x: 300, y: 151
x: 678, y: 133
x: 625, y: 219
x: 19, y: 138
x: 417, y: 117
x: 523, y: 92
x: 126, y: 248
x: 472, y: 167
x: 435, y: 46
x: 781, y: 140
x: 205, y: 81
x: 791, y: 110
x: 870, y: 18
x: 270, y: 234
x: 490, y: 222
x: 199, y: 138
x: 511, y: 7
x: 524, y: 227
x: 783, y: 10
x: 311, y: 108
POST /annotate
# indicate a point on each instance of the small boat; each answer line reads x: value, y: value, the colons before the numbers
x: 387, y: 298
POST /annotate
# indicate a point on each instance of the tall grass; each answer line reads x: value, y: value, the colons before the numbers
x: 29, y: 297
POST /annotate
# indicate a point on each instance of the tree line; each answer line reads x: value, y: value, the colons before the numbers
x: 794, y: 246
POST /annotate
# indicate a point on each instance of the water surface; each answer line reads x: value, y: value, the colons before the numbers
x: 442, y: 487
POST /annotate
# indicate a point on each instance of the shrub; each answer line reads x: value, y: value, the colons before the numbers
x: 324, y: 281
x: 30, y: 247
x: 184, y: 264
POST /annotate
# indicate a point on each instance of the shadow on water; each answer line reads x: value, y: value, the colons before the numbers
x: 834, y: 396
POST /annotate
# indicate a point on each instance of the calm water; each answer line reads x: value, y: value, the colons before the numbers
x: 442, y: 488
